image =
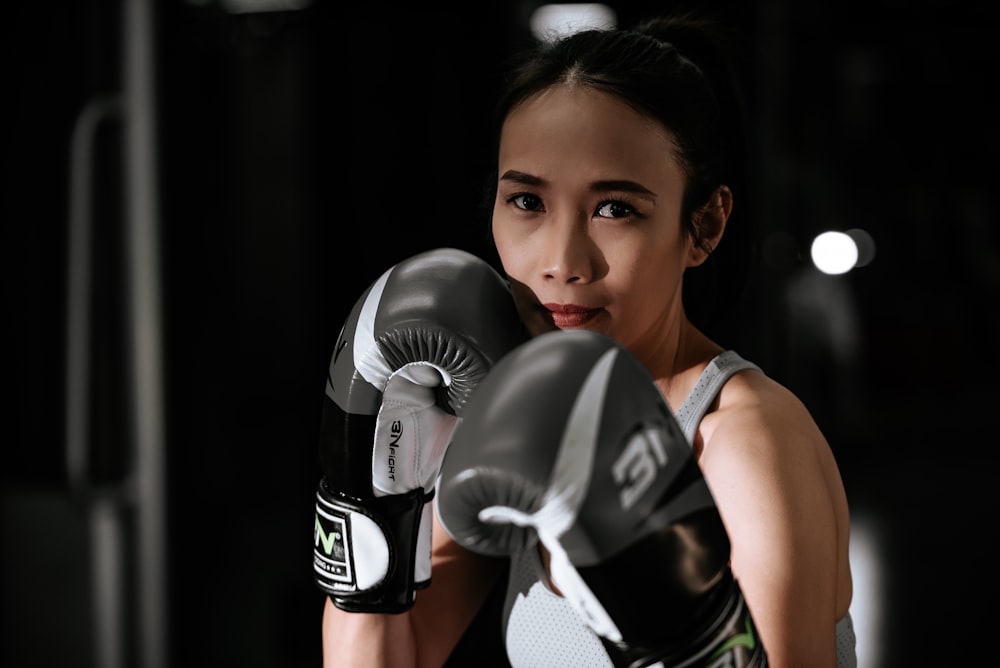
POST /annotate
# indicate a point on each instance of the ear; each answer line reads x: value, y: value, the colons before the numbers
x: 713, y: 217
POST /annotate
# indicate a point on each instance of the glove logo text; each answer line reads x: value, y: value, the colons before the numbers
x: 395, y: 434
x: 330, y: 558
x: 636, y: 467
x: 329, y: 540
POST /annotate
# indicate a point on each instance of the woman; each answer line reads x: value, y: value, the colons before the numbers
x: 617, y: 179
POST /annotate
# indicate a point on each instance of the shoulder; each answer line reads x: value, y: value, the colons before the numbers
x: 756, y: 416
x: 779, y: 493
x: 769, y: 466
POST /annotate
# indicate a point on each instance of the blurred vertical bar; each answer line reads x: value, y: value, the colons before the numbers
x: 108, y: 503
x: 145, y: 335
x: 104, y: 511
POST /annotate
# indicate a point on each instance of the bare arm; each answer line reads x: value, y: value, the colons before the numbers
x: 425, y: 635
x: 358, y: 639
x: 768, y: 467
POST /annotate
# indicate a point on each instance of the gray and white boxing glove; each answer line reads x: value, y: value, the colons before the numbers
x: 414, y: 347
x: 569, y: 443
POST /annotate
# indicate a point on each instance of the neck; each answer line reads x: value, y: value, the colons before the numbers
x: 682, y: 357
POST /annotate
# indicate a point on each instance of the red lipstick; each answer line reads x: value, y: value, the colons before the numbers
x: 568, y: 316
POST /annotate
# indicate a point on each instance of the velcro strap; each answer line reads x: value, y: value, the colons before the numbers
x: 365, y: 554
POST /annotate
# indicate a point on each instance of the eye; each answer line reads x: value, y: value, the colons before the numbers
x: 526, y: 201
x: 614, y: 209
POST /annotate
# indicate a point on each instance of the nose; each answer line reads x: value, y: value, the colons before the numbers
x: 569, y: 254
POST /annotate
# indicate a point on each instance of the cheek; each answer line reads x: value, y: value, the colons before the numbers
x: 510, y: 252
x: 526, y: 303
x: 649, y: 277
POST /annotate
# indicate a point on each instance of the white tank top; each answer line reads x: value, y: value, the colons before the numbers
x: 541, y: 629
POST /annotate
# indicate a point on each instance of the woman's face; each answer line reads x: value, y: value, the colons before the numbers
x: 587, y: 218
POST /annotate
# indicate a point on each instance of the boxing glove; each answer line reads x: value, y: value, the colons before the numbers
x: 568, y: 443
x: 413, y: 348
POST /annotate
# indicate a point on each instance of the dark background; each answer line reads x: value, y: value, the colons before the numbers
x: 303, y: 152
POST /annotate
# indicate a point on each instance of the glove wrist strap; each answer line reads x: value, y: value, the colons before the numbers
x: 370, y: 556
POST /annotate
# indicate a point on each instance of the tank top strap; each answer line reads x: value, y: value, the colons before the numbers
x: 719, y: 370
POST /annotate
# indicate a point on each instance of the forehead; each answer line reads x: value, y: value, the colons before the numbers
x: 575, y: 124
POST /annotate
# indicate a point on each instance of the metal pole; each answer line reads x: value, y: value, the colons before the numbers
x: 145, y: 335
x: 104, y: 505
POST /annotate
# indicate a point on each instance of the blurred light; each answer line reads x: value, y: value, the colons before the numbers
x: 867, y: 560
x: 865, y: 244
x: 834, y: 252
x: 550, y: 22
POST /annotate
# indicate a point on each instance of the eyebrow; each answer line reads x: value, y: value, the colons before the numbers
x: 521, y: 177
x: 623, y: 185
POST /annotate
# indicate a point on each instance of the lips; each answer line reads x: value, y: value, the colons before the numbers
x: 567, y: 316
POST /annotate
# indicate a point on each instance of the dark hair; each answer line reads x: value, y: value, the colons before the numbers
x: 677, y: 69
